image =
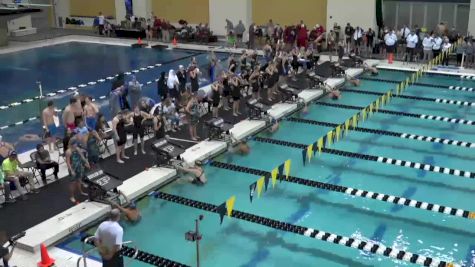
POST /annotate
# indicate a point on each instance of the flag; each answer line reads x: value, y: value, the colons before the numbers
x: 337, y: 133
x: 371, y: 108
x: 274, y: 174
x: 309, y: 152
x: 363, y: 114
x: 287, y: 165
x: 260, y: 183
x: 304, y: 156
x: 383, y: 100
x: 230, y: 205
x: 347, y: 126
x: 354, y: 121
x: 221, y: 210
x: 320, y: 145
x: 329, y: 138
x: 266, y: 181
x: 252, y: 190
x: 281, y: 171
x: 314, y: 148
x: 376, y: 105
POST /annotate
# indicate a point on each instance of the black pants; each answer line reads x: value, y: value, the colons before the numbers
x: 435, y: 53
x: 116, y: 261
x: 459, y: 59
x: 46, y: 166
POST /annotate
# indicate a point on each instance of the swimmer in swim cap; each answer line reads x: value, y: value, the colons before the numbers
x: 129, y: 209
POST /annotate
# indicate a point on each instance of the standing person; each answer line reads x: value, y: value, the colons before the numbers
x: 226, y: 91
x: 172, y: 85
x: 437, y: 45
x: 349, y: 30
x: 101, y: 21
x: 5, y: 253
x: 138, y: 118
x: 337, y: 30
x: 194, y: 71
x: 370, y: 41
x: 114, y: 100
x: 252, y: 36
x: 91, y: 110
x: 162, y: 89
x: 158, y: 126
x: 13, y: 175
x: 108, y: 240
x: 120, y: 136
x: 215, y: 98
x: 135, y: 92
x: 93, y: 140
x: 182, y: 78
x: 390, y: 40
x: 411, y: 42
x: 70, y: 113
x: 357, y: 39
x: 48, y: 117
x: 236, y: 94
x: 44, y: 162
x: 213, y: 62
x: 77, y: 165
x: 165, y: 27
x: 459, y: 51
x: 427, y: 44
x: 445, y: 47
x: 302, y: 36
x: 193, y: 116
x: 149, y: 31
x: 170, y: 113
x: 240, y: 29
x: 270, y: 30
x: 254, y: 82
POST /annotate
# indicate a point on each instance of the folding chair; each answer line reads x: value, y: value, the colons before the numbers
x: 36, y: 169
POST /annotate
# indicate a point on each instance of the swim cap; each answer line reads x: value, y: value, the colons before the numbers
x: 133, y: 205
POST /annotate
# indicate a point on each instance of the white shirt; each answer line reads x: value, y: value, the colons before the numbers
x: 357, y: 34
x: 110, y: 234
x: 390, y: 39
x: 412, y: 40
x: 405, y: 32
x: 437, y: 43
x: 428, y: 43
x: 446, y: 46
x: 101, y: 19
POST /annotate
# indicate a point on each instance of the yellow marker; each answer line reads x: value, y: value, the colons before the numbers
x: 347, y: 126
x: 383, y: 100
x: 371, y: 108
x: 320, y: 145
x: 309, y: 152
x: 389, y: 97
x: 363, y: 114
x: 376, y: 105
x: 471, y: 215
x: 260, y: 183
x: 354, y: 121
x: 337, y: 133
x: 230, y: 205
x: 329, y: 138
x: 287, y: 165
x: 274, y: 174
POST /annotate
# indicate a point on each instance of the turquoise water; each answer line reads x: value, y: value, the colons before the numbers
x: 67, y: 65
x: 238, y: 243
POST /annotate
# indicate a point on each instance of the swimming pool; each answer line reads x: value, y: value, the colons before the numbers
x: 85, y: 67
x: 240, y: 243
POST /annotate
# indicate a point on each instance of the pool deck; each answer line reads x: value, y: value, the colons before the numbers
x: 62, y: 225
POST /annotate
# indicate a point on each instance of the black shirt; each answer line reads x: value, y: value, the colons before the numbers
x: 3, y: 252
x: 349, y: 30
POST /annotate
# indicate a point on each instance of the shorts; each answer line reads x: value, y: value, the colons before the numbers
x: 91, y: 122
x: 115, y: 261
x: 138, y: 132
x: 358, y: 42
x: 226, y: 93
x: 121, y: 141
x: 52, y: 130
x: 390, y: 48
x: 348, y: 40
x: 78, y: 177
x: 239, y: 36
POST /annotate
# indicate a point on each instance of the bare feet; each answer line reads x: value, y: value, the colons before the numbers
x: 120, y: 161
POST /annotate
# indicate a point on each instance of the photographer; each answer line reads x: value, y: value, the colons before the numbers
x: 5, y: 253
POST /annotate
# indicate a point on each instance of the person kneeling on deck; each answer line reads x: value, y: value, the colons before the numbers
x: 194, y: 174
x: 131, y: 213
x: 108, y: 240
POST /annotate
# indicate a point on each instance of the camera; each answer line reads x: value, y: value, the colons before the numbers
x: 12, y: 240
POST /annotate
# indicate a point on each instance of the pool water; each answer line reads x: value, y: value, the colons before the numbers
x: 240, y: 243
x: 59, y: 67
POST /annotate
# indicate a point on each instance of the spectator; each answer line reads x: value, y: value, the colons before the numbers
x: 49, y: 125
x: 390, y: 40
x: 445, y: 47
x: 77, y: 165
x: 135, y: 92
x: 411, y: 43
x: 162, y: 89
x: 93, y: 140
x: 252, y: 36
x: 269, y: 30
x: 5, y: 149
x: 459, y: 50
x: 357, y: 39
x: 91, y: 110
x: 114, y: 100
x: 240, y: 29
x: 182, y: 77
x: 108, y: 240
x: 194, y: 73
x: 370, y: 40
x: 193, y: 116
x: 437, y: 45
x: 170, y: 114
x: 13, y: 175
x: 337, y: 30
x: 427, y: 44
x: 44, y: 162
x: 5, y: 186
x: 120, y: 136
x: 229, y: 26
x: 172, y: 84
x: 349, y: 30
x: 302, y: 36
x: 101, y: 21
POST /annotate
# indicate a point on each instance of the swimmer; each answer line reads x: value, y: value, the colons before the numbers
x: 131, y: 213
x: 373, y: 70
x: 195, y: 174
x: 274, y: 127
x: 335, y: 94
x: 241, y: 148
x: 354, y: 81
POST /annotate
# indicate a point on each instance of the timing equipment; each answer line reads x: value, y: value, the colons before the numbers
x: 218, y: 129
x: 101, y: 184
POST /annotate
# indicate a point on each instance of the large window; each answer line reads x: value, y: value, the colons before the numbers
x: 428, y: 13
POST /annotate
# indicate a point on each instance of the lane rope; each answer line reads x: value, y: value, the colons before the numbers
x: 143, y: 256
x: 455, y: 88
x: 427, y: 99
x: 404, y: 114
x: 386, y: 160
x: 390, y: 133
x: 372, y: 247
x: 352, y: 191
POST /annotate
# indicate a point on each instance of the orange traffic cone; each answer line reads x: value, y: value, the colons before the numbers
x: 390, y: 58
x: 139, y: 41
x: 46, y: 261
x: 174, y: 41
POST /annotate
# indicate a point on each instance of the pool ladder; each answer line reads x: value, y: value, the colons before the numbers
x: 86, y: 253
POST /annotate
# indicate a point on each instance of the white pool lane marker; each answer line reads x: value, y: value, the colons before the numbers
x: 75, y: 88
x: 468, y: 77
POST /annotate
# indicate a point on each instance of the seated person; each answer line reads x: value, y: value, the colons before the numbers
x: 6, y: 254
x: 194, y: 174
x: 103, y: 128
x: 5, y: 149
x: 170, y: 113
x: 5, y: 186
x: 13, y: 175
x: 131, y: 213
x: 44, y: 162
